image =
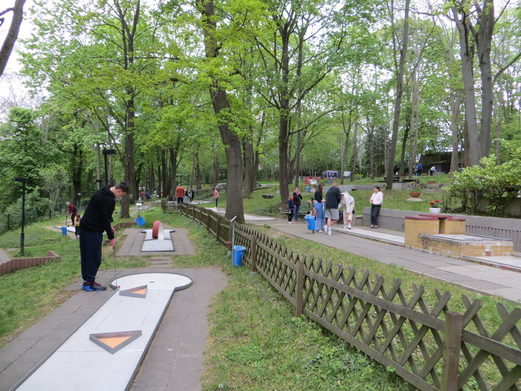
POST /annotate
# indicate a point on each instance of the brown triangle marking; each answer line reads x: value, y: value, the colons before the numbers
x: 137, y: 291
x: 112, y: 342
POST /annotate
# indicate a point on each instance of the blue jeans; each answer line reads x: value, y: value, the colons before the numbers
x: 295, y: 214
x: 375, y: 211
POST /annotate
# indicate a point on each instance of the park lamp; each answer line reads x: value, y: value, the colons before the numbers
x: 105, y: 153
x: 23, y: 180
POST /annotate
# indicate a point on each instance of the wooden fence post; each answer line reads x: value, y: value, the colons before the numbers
x: 253, y: 265
x: 451, y: 351
x: 299, y: 289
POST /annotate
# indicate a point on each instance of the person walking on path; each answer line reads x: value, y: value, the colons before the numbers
x: 419, y: 169
x: 348, y: 204
x: 376, y: 200
x: 77, y: 226
x: 96, y: 219
x: 319, y: 215
x: 216, y: 197
x: 333, y: 197
x: 291, y: 209
x: 319, y: 193
x: 73, y: 211
x: 297, y: 197
x: 179, y: 194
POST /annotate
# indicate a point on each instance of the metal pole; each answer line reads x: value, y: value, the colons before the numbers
x: 22, y: 233
x: 232, y: 221
x: 106, y: 167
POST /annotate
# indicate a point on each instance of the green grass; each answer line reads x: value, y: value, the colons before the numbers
x: 255, y: 344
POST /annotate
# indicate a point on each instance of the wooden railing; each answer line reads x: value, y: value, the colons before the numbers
x: 428, y: 345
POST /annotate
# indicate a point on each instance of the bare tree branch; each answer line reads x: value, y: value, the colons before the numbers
x: 12, y: 34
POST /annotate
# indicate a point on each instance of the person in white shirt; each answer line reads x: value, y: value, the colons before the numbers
x: 376, y: 200
x: 347, y: 203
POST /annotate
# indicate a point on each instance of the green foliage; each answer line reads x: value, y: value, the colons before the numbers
x: 496, y: 183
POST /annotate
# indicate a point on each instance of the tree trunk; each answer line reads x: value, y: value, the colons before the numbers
x: 215, y: 170
x: 473, y: 153
x: 248, y: 164
x: 12, y: 34
x: 345, y: 145
x: 174, y: 157
x: 415, y: 113
x: 165, y: 184
x: 355, y: 151
x: 405, y: 137
x: 220, y: 103
x: 77, y: 171
x: 455, y: 103
x: 398, y: 99
x: 483, y: 38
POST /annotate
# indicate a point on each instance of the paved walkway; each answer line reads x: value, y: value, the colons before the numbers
x: 4, y: 257
x: 174, y: 360
x: 387, y: 247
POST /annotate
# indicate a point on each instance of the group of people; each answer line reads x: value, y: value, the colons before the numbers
x: 183, y: 195
x: 326, y: 209
x: 431, y: 171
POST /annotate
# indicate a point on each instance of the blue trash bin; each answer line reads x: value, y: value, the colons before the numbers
x: 64, y: 231
x: 310, y: 220
x: 238, y: 255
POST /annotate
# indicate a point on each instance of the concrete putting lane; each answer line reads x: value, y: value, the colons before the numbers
x: 82, y: 364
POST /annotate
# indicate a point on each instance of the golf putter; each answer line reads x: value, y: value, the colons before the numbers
x: 115, y: 267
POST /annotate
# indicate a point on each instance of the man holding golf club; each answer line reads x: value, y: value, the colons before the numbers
x: 97, y: 219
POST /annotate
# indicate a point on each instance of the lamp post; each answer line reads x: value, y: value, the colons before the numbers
x: 22, y: 233
x: 105, y: 153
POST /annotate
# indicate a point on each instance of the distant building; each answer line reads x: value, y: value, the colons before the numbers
x: 441, y: 160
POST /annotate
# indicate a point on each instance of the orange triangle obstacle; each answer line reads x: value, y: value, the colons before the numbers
x: 112, y: 342
x: 138, y: 291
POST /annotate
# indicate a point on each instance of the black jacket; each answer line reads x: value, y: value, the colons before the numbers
x: 98, y: 215
x: 333, y: 197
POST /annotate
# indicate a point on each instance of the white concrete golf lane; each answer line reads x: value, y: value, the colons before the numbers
x: 80, y: 364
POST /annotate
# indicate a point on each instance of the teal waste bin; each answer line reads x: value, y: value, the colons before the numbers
x: 310, y: 220
x: 238, y: 255
x: 64, y: 230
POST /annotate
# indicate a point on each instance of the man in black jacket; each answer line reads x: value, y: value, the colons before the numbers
x: 96, y: 219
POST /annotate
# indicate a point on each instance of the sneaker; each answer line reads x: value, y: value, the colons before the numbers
x: 329, y: 232
x: 372, y: 226
x: 376, y: 226
x: 98, y: 287
x: 345, y: 226
x: 349, y: 226
x: 93, y: 287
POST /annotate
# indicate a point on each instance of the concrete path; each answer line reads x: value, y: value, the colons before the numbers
x: 247, y: 217
x: 4, y: 257
x: 376, y: 245
x: 175, y: 357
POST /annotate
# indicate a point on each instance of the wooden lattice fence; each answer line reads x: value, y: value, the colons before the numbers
x: 426, y: 344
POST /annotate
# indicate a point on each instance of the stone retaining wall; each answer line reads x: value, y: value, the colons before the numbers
x: 492, y: 227
x: 25, y: 263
